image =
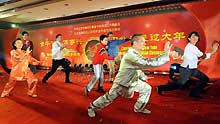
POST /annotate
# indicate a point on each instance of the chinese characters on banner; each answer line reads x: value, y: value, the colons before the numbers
x: 156, y: 37
x: 105, y: 28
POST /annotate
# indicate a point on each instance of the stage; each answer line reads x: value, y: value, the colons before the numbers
x: 60, y: 103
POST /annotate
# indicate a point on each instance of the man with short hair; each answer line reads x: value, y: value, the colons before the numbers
x: 28, y: 43
x: 113, y: 52
x: 58, y: 60
x: 131, y: 78
x: 188, y: 68
x: 98, y: 59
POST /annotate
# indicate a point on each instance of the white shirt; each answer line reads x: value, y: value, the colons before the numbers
x: 191, y: 55
x: 56, y: 52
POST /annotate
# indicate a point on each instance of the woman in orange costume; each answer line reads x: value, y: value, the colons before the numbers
x: 20, y: 70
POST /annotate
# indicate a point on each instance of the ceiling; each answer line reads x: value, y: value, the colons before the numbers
x: 24, y: 11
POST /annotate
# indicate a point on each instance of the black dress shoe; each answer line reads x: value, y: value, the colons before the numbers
x: 159, y: 91
x: 68, y: 82
x: 100, y: 90
x: 195, y: 96
x: 44, y: 81
x: 86, y: 91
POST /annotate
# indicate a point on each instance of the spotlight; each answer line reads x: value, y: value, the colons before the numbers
x: 13, y: 25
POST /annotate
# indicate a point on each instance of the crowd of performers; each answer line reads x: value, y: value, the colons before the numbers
x: 129, y: 79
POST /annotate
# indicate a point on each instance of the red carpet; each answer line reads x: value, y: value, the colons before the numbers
x: 214, y: 89
x: 60, y: 103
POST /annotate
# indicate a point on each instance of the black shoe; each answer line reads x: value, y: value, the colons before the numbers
x: 195, y: 96
x: 68, y: 82
x: 44, y: 81
x: 86, y: 91
x: 159, y: 91
x: 101, y: 90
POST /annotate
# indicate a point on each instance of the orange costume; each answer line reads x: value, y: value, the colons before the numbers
x: 20, y: 71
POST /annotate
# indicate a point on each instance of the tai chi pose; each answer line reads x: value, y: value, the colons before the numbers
x: 98, y: 60
x: 113, y: 52
x: 189, y: 68
x: 58, y: 60
x: 20, y: 71
x: 131, y: 78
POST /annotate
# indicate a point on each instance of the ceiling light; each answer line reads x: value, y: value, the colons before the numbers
x: 13, y: 25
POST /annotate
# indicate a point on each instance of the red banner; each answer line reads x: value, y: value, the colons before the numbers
x: 81, y: 39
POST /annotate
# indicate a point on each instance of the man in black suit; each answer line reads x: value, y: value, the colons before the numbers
x: 28, y: 43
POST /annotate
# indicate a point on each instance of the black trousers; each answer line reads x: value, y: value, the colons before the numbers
x: 3, y: 64
x: 55, y: 65
x: 33, y: 68
x: 185, y: 73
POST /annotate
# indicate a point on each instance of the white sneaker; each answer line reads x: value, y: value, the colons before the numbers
x: 34, y: 95
x: 144, y: 111
x: 91, y: 112
x: 2, y: 96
